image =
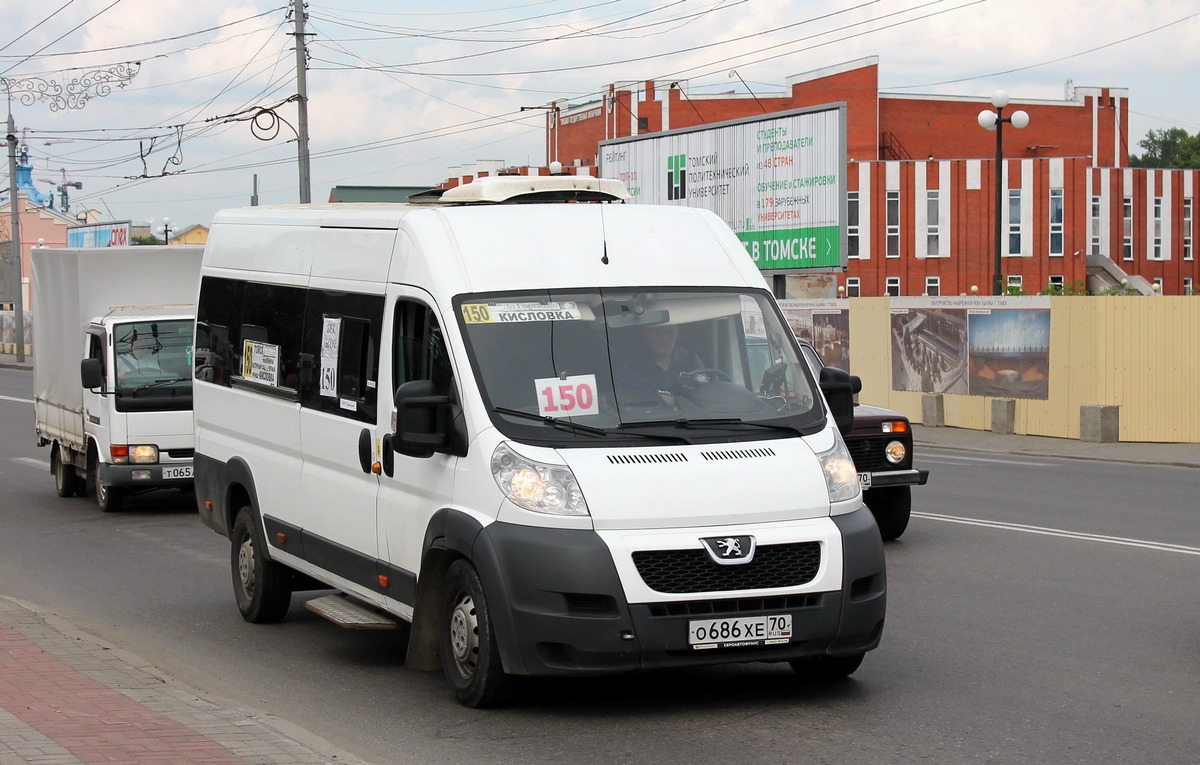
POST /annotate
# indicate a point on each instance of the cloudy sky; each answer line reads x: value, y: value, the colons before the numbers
x: 400, y: 96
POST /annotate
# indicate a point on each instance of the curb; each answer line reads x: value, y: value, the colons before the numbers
x: 80, y: 676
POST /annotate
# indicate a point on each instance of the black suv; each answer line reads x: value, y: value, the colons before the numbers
x: 881, y: 443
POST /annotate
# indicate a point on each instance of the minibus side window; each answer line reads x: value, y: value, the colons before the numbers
x: 342, y: 332
x: 420, y: 348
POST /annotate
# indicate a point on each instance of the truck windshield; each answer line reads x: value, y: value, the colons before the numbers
x: 153, y: 358
x: 684, y: 364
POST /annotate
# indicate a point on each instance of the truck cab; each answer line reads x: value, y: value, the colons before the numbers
x: 137, y: 378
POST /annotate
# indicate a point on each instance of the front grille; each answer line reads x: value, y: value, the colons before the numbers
x: 868, y: 455
x: 679, y: 571
x: 181, y: 454
x: 734, y: 606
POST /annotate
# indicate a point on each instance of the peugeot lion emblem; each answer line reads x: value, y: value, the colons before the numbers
x: 729, y: 551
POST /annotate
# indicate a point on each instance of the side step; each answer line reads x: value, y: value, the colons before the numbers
x: 346, y: 612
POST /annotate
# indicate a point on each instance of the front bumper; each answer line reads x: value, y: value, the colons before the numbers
x: 559, y: 608
x: 177, y: 475
x: 910, y: 477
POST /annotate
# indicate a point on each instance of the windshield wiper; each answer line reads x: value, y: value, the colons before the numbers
x: 553, y: 422
x: 684, y: 422
x: 157, y: 383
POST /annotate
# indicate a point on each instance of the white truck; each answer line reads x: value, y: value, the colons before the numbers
x: 112, y: 367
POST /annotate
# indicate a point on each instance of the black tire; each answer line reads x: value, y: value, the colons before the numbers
x: 892, y: 508
x: 262, y: 587
x: 827, y: 668
x: 109, y: 498
x: 66, y: 483
x: 467, y: 642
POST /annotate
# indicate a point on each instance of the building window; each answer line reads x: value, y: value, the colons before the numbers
x: 1127, y: 228
x: 1187, y: 285
x: 1187, y: 228
x: 1057, y: 284
x: 1095, y: 225
x: 852, y: 240
x: 1014, y: 221
x: 933, y: 229
x: 1056, y: 222
x: 892, y: 286
x: 893, y: 224
x: 933, y: 286
x: 852, y: 286
x: 1157, y: 253
x: 1158, y: 282
x: 1014, y: 284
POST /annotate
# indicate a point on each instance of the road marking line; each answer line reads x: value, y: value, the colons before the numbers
x: 957, y: 459
x: 18, y: 400
x: 1045, y: 531
x: 32, y: 461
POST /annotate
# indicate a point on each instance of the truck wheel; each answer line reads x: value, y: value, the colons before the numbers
x: 891, y: 508
x: 470, y: 656
x: 66, y: 483
x: 110, y: 498
x: 826, y: 668
x: 262, y: 587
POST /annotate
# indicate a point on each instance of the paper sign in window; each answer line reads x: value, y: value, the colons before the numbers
x: 573, y: 396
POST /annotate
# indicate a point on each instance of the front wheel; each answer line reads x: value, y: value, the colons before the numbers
x: 467, y: 643
x: 66, y: 483
x: 892, y: 508
x: 826, y: 668
x: 110, y: 498
x: 262, y: 587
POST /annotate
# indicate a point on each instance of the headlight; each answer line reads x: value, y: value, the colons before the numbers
x: 550, y: 489
x: 841, y: 477
x: 895, y: 452
x: 144, y: 454
x: 140, y: 454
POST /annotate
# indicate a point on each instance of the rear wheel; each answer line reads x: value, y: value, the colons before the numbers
x: 66, y: 483
x: 892, y: 508
x: 262, y: 587
x: 826, y: 668
x: 467, y: 643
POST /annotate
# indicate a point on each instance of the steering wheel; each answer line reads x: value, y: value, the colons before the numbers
x: 704, y: 376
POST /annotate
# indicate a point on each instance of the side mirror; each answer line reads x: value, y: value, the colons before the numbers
x: 91, y: 374
x: 839, y: 388
x: 422, y: 419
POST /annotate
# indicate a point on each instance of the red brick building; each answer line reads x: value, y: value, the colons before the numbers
x: 921, y: 183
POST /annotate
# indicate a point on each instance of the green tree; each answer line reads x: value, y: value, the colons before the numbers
x: 1169, y: 148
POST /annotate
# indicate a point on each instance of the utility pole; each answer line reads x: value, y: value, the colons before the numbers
x: 18, y: 298
x: 302, y: 104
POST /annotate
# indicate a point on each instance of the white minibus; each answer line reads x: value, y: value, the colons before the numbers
x: 520, y: 417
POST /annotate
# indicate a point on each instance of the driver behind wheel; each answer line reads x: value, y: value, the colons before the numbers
x: 656, y: 362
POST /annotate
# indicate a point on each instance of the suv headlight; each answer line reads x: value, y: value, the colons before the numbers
x: 895, y: 452
x: 535, y: 486
x: 841, y: 477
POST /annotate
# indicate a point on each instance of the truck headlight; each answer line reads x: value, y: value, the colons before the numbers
x: 841, y: 477
x: 895, y: 452
x: 137, y: 454
x: 143, y: 454
x: 550, y: 489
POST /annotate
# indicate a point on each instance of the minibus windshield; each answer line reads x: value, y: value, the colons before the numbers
x: 684, y: 364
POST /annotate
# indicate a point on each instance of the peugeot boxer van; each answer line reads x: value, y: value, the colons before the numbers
x: 460, y: 415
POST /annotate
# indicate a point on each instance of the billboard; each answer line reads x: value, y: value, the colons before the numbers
x: 115, y: 234
x: 778, y: 181
x: 978, y: 346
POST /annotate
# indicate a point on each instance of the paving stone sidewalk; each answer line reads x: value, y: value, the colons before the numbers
x: 67, y: 698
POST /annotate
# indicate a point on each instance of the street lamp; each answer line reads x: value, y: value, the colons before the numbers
x: 994, y: 120
x: 165, y: 230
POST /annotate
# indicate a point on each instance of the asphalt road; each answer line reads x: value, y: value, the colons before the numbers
x: 1041, y: 610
